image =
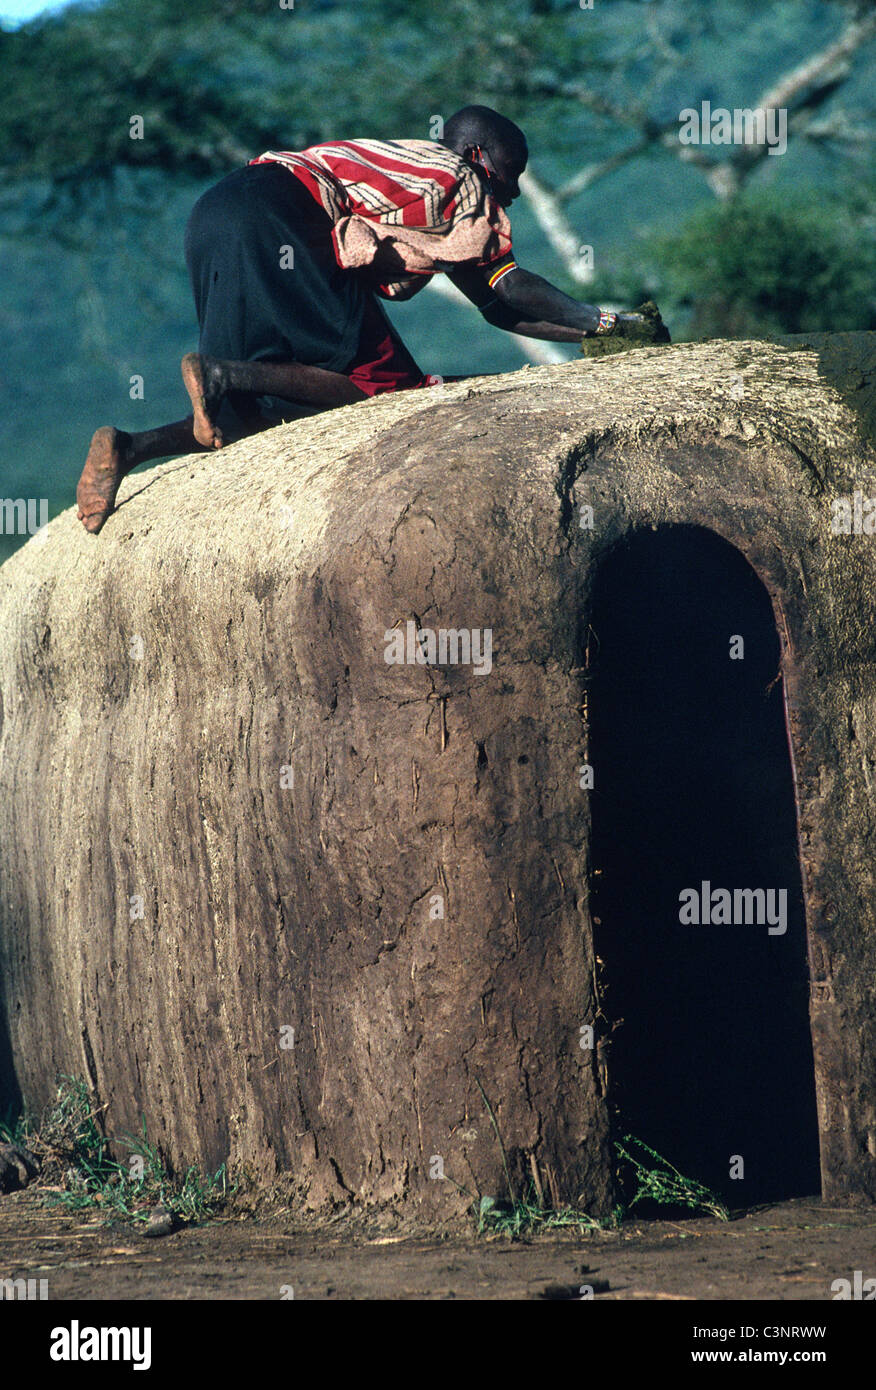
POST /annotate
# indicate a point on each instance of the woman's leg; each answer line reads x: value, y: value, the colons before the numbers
x: 209, y: 379
x: 114, y: 453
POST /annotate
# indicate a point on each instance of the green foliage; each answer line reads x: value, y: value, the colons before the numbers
x: 217, y: 82
x: 526, y: 1213
x: 765, y: 264
x: 216, y: 78
x: 69, y: 85
x: 71, y: 1144
x: 650, y: 1177
x: 657, y: 1181
x: 527, y: 1216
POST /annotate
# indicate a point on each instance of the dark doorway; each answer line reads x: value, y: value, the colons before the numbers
x: 693, y: 783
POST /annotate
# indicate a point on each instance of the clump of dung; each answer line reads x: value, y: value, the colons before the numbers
x: 651, y: 329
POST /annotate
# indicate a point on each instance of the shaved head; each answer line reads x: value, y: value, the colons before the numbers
x: 480, y: 125
x: 477, y: 131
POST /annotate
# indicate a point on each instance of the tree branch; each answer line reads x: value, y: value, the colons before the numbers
x: 834, y: 61
x: 591, y: 173
x: 547, y: 209
x: 802, y: 92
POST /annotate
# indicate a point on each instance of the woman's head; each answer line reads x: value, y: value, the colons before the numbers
x: 492, y: 144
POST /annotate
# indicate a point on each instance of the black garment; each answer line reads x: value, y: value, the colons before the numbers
x: 251, y: 309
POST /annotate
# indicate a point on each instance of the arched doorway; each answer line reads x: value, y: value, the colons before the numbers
x: 693, y: 793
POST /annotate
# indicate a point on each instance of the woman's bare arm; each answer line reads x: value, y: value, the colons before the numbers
x: 524, y: 303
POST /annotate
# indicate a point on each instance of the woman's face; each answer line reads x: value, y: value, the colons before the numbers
x: 503, y: 173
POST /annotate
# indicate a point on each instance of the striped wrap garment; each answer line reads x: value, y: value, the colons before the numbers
x: 415, y: 199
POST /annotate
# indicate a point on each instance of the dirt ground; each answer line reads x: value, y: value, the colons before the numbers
x: 792, y: 1251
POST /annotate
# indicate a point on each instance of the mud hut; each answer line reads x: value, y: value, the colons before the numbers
x: 332, y: 847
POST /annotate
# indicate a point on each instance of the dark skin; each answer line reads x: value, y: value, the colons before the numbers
x: 114, y: 453
x: 521, y: 303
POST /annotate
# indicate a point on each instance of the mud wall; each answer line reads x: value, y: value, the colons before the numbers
x: 303, y: 907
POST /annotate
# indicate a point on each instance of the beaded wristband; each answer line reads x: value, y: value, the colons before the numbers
x: 607, y: 322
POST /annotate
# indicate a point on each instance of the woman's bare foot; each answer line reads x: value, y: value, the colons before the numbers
x: 205, y: 382
x: 104, y: 470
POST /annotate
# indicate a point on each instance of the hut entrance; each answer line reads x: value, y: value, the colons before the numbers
x: 697, y: 889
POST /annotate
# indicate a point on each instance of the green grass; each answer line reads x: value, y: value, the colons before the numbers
x: 526, y: 1216
x: 658, y: 1181
x: 651, y: 1178
x: 70, y: 1142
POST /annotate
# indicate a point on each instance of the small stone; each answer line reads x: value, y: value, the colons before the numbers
x: 161, y: 1221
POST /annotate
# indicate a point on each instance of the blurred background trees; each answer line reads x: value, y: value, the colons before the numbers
x: 727, y: 239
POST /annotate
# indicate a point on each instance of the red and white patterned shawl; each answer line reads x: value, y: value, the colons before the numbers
x: 415, y: 196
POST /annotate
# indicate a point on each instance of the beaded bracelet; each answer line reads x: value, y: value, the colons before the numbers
x: 607, y: 322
